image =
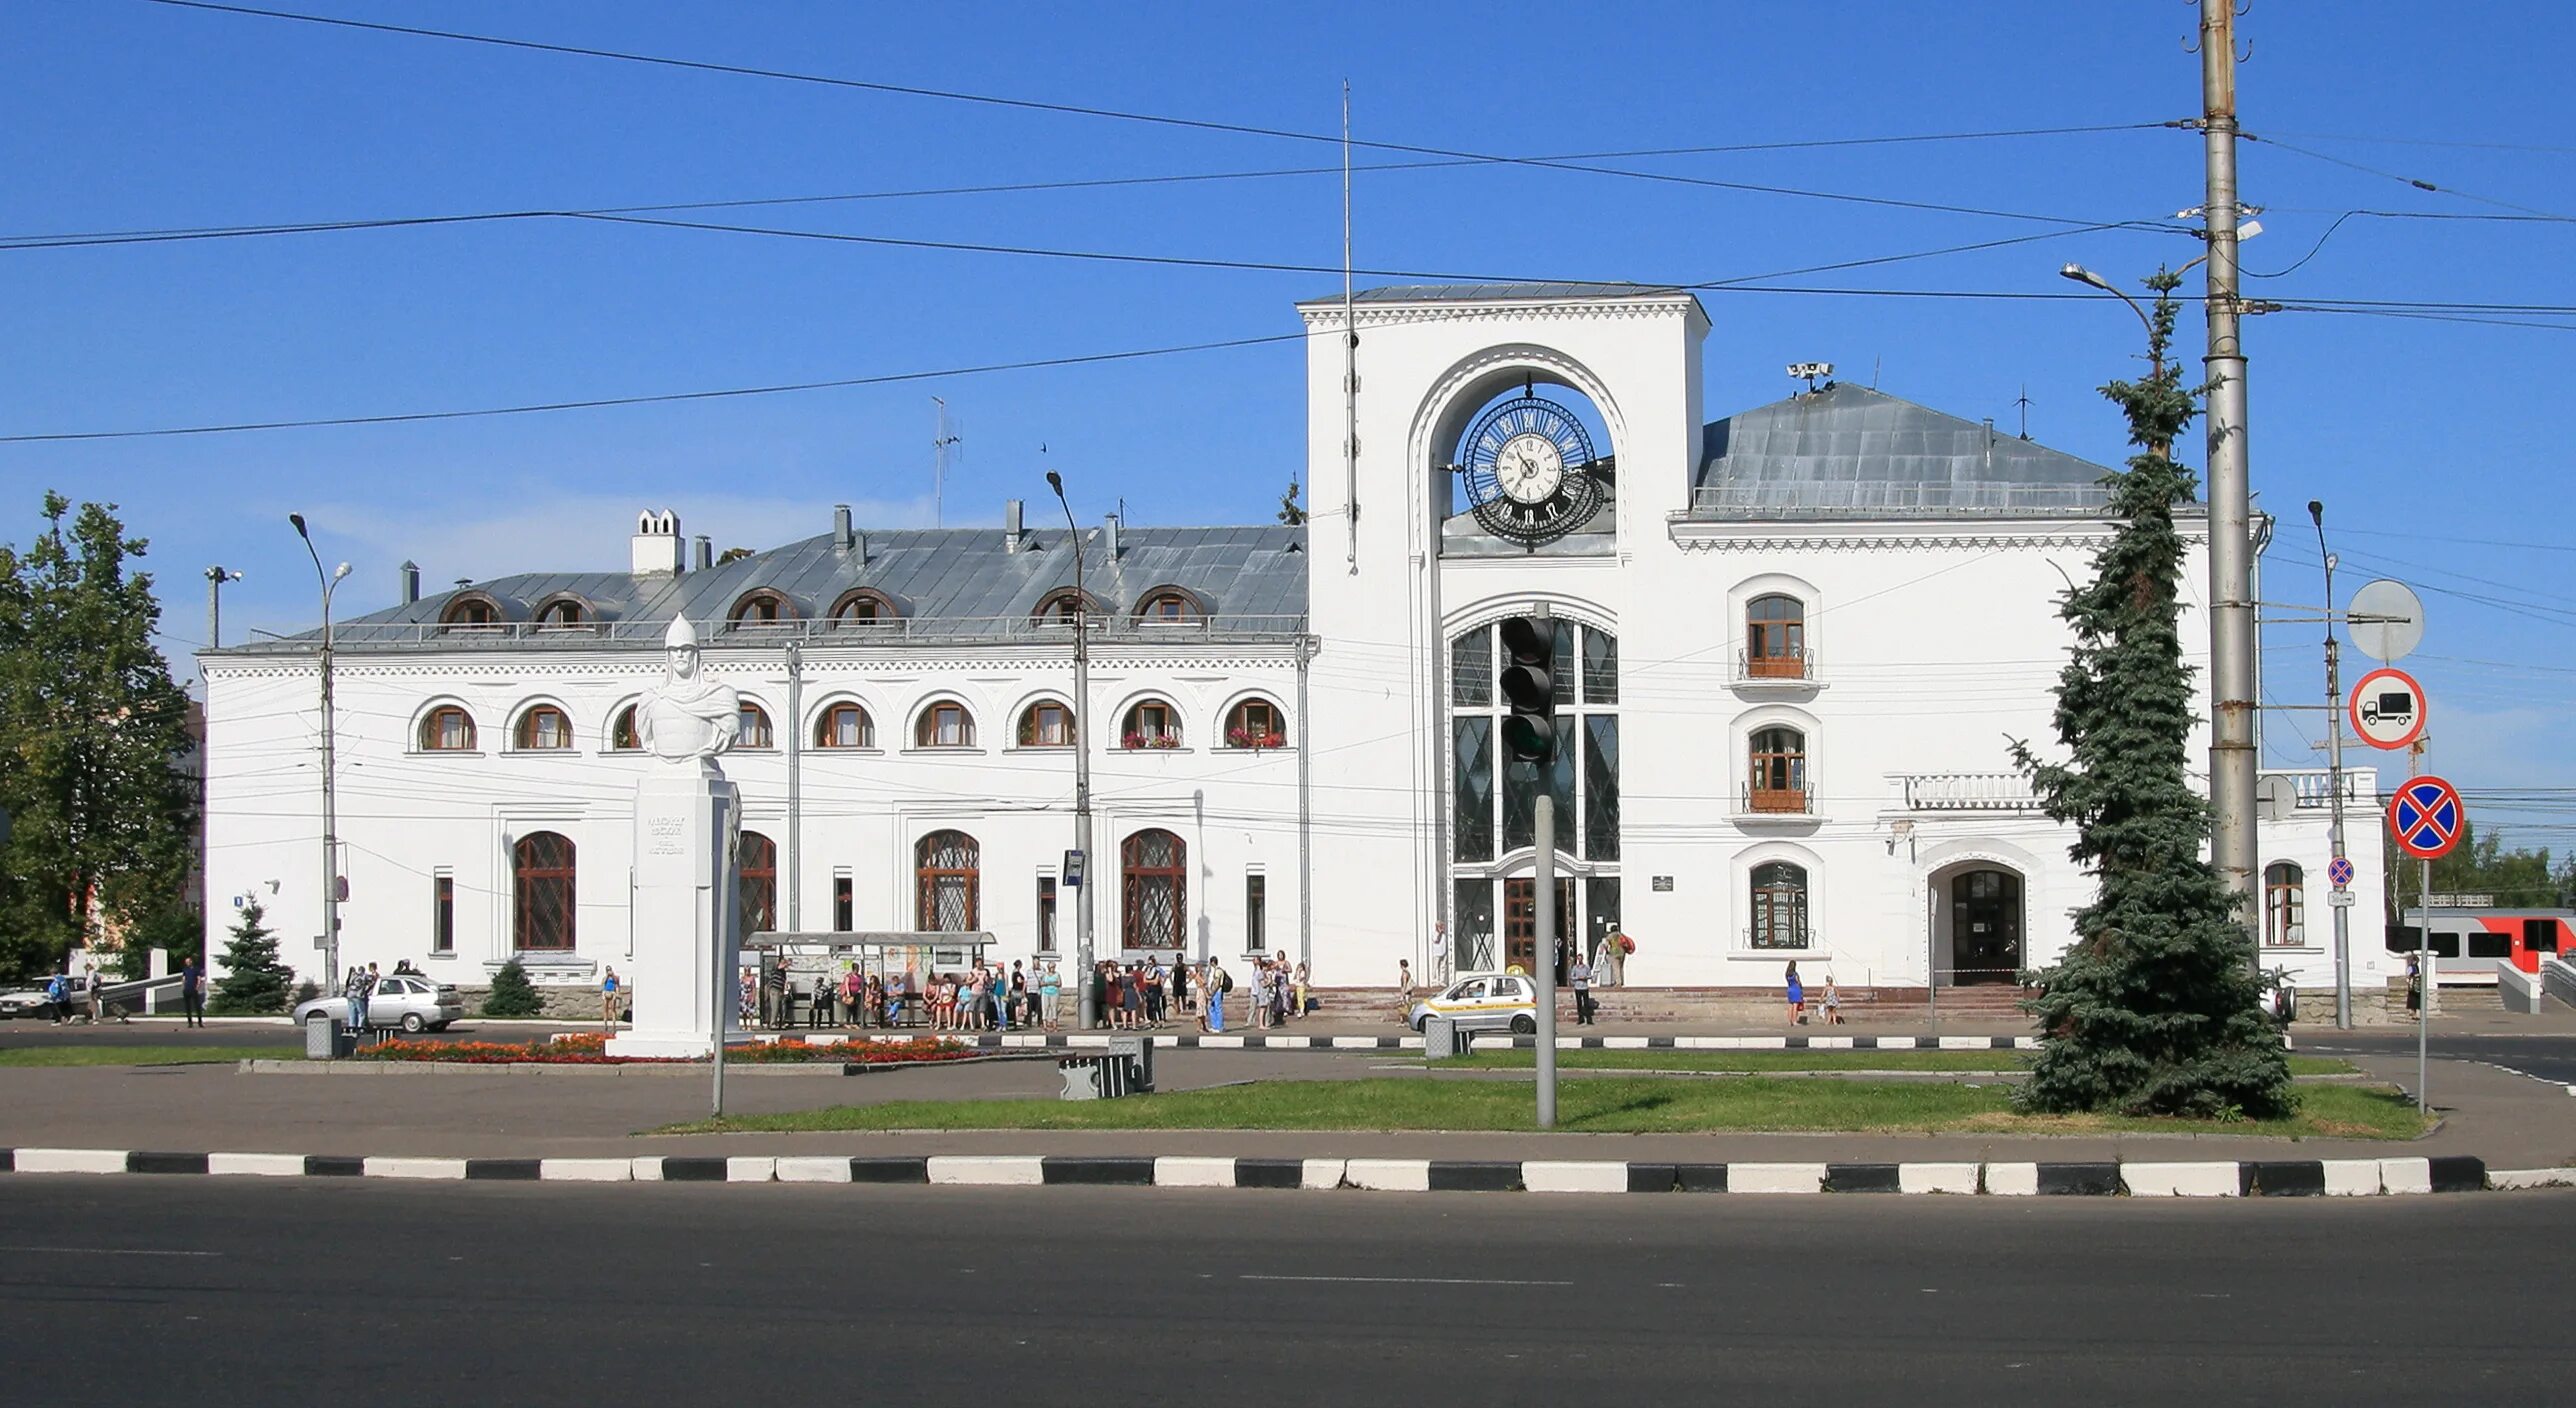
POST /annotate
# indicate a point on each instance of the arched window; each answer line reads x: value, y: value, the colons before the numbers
x: 1046, y: 724
x: 560, y: 613
x: 1153, y: 723
x: 863, y: 607
x: 945, y: 724
x: 755, y: 869
x: 1778, y: 776
x: 946, y: 865
x: 1779, y: 906
x: 845, y: 725
x: 1168, y: 604
x: 544, y: 727
x: 2285, y: 904
x: 1057, y: 609
x: 761, y: 607
x: 1255, y: 723
x: 754, y: 728
x: 448, y: 729
x: 470, y: 612
x: 1775, y: 638
x: 542, y: 892
x: 623, y: 735
x: 1155, y: 871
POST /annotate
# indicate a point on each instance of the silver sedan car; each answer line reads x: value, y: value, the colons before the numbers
x: 401, y: 1000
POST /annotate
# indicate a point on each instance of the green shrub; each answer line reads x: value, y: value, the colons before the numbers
x: 254, y: 982
x: 512, y: 994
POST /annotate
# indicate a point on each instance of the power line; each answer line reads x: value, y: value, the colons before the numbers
x: 1114, y: 114
x: 2416, y: 182
x: 606, y: 401
x: 163, y: 235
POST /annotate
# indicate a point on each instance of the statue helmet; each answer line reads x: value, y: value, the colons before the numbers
x: 680, y: 634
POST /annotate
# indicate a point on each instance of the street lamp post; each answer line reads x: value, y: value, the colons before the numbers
x: 2334, y: 771
x: 330, y: 802
x: 1081, y: 761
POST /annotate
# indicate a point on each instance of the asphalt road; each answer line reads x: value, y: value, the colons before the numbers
x: 24, y: 1032
x: 227, y: 1292
x: 2545, y: 1058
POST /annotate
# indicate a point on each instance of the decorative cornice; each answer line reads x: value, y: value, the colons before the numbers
x: 1328, y: 317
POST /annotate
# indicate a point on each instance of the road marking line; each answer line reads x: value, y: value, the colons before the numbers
x: 1406, y: 1280
x: 104, y: 1251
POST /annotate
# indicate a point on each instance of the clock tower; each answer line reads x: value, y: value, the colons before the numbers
x: 1498, y: 446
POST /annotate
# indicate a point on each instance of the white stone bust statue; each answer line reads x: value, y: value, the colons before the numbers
x: 689, y: 718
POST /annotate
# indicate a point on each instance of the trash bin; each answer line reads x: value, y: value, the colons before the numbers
x: 323, y: 1039
x: 1443, y: 1039
x: 1137, y: 1052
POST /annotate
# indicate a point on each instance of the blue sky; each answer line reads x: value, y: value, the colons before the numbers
x: 2434, y: 443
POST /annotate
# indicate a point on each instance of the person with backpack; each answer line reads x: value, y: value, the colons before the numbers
x: 58, y: 995
x: 1217, y: 983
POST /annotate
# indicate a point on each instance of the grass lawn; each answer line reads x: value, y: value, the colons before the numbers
x: 1610, y: 1105
x: 142, y: 1055
x: 1626, y: 1059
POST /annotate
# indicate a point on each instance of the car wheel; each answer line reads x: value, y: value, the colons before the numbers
x: 1421, y: 1023
x: 415, y: 1023
x: 438, y: 1026
x: 1525, y: 1026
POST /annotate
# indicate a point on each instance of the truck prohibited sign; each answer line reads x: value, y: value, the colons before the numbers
x: 2387, y: 709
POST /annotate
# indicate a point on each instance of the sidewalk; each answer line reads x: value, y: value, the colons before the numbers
x: 2509, y: 1121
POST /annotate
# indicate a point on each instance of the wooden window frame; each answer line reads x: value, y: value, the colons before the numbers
x: 431, y: 731
x: 1775, y: 647
x: 1239, y: 730
x: 1032, y: 732
x: 827, y: 732
x: 926, y: 878
x: 527, y: 733
x: 753, y: 731
x: 529, y: 870
x: 1136, y: 879
x: 926, y: 730
x: 1133, y: 734
x: 1777, y: 778
x: 2285, y: 905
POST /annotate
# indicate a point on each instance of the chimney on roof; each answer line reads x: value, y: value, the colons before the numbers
x: 1010, y: 525
x: 840, y: 527
x: 1109, y: 535
x: 706, y: 553
x: 410, y: 582
x: 656, y: 542
x: 859, y: 548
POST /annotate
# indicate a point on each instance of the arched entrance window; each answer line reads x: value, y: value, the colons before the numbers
x: 755, y: 871
x: 1775, y: 638
x: 1156, y: 890
x: 541, y: 892
x: 2285, y: 904
x: 1779, y: 906
x: 1777, y: 778
x: 1985, y: 927
x: 946, y: 865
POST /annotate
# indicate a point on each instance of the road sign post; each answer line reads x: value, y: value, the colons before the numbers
x: 2426, y: 819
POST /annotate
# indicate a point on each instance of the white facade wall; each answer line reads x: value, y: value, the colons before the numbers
x: 407, y: 815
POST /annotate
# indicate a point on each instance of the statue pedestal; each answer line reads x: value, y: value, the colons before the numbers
x: 686, y: 927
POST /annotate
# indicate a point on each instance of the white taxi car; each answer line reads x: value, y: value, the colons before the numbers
x: 1505, y: 1001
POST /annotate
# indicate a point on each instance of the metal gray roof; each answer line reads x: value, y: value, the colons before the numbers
x: 1849, y: 450
x: 947, y: 583
x: 1493, y: 293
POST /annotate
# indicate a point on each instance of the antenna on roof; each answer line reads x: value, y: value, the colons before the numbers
x: 2023, y: 401
x: 947, y: 443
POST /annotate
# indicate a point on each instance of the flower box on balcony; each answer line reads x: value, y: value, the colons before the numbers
x: 1247, y: 738
x: 1150, y: 740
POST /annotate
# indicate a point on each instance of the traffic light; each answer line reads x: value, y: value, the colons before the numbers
x: 1529, y: 686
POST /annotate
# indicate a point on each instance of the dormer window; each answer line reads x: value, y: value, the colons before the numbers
x: 761, y: 609
x: 863, y: 608
x: 1167, y: 604
x: 469, y: 613
x: 1060, y: 606
x: 562, y: 614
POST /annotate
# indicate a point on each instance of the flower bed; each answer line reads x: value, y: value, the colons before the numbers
x: 591, y: 1049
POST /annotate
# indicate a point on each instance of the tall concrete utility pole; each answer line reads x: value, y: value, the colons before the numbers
x: 2231, y: 553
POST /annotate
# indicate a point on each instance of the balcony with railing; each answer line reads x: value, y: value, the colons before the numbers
x: 1104, y: 628
x: 1756, y: 806
x: 1793, y: 672
x: 2310, y: 789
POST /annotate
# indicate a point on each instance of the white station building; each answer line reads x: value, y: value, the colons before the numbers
x: 1794, y: 646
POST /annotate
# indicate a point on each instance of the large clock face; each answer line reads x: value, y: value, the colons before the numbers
x: 1529, y: 471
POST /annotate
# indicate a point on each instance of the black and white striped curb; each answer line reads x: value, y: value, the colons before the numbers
x: 1012, y: 1041
x: 2261, y: 1178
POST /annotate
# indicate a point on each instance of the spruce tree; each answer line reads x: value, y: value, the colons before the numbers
x: 254, y: 982
x: 512, y: 994
x: 2155, y: 1008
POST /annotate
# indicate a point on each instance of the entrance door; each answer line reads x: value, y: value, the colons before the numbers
x: 1985, y: 927
x: 1520, y: 920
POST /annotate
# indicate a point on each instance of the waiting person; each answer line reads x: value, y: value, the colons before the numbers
x: 1097, y: 983
x: 1833, y: 1001
x: 1260, y: 994
x: 1580, y: 978
x: 58, y: 996
x: 1404, y: 990
x: 607, y: 998
x: 1214, y: 984
x: 358, y: 987
x: 822, y: 1013
x: 1181, y: 984
x: 1797, y: 996
x: 1050, y: 991
x: 192, y: 991
x: 90, y: 992
x: 1305, y: 1001
x: 748, y: 1005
